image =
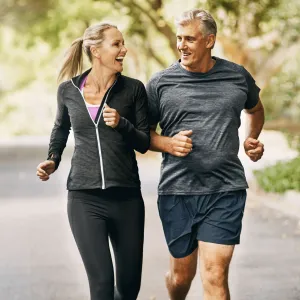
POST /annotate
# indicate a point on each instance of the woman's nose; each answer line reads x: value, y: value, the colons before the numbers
x: 124, y: 49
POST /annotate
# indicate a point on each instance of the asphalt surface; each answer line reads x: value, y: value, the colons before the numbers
x: 39, y: 259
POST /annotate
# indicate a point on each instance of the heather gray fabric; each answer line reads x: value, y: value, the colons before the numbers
x: 210, y: 104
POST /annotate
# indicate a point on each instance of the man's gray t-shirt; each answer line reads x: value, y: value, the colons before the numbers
x: 210, y: 104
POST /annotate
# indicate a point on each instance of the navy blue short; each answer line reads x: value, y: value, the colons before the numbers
x: 214, y: 218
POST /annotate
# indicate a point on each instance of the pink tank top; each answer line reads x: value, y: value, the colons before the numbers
x: 92, y: 108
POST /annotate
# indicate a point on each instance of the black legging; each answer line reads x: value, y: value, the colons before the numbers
x: 118, y: 214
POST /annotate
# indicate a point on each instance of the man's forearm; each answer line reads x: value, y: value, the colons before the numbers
x: 254, y: 124
x: 158, y: 143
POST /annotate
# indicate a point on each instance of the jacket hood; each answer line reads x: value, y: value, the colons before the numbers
x: 78, y: 79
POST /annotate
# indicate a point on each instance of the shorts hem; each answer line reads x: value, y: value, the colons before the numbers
x: 185, y: 254
x: 220, y: 242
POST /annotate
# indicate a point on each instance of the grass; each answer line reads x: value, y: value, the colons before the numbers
x: 281, y: 177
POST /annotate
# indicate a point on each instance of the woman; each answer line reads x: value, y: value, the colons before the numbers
x: 108, y: 114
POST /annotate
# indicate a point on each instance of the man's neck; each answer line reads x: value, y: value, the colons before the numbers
x: 203, y: 67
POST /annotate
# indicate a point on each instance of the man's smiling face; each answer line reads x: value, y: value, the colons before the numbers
x: 192, y: 45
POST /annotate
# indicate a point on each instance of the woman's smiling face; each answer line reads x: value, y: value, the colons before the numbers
x: 112, y: 50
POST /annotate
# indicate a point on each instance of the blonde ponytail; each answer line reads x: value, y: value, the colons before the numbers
x: 93, y: 36
x: 73, y: 61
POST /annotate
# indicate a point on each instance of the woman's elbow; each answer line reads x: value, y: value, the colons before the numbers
x: 144, y: 147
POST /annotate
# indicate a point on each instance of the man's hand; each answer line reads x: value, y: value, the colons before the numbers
x: 44, y: 169
x: 181, y: 143
x: 111, y: 116
x: 254, y: 149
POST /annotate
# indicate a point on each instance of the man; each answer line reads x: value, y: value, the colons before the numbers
x: 202, y: 191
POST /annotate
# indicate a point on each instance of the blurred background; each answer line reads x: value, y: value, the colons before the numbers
x: 261, y: 35
x: 38, y: 258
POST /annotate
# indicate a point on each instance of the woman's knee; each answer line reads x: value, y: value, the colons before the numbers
x: 127, y: 293
x: 101, y: 289
x: 127, y: 290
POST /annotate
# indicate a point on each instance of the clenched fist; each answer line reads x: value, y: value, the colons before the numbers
x: 44, y: 169
x: 111, y: 116
x: 181, y: 143
x: 254, y: 149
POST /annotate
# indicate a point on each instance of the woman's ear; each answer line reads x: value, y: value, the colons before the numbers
x: 95, y: 51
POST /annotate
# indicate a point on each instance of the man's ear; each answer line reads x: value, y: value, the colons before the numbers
x: 210, y: 42
x: 95, y: 51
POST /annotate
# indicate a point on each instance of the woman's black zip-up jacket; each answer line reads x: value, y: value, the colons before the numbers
x: 103, y: 157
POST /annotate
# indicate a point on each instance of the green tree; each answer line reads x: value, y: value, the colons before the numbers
x: 259, y: 34
x: 252, y: 32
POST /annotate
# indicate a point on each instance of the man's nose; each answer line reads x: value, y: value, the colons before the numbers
x: 181, y: 45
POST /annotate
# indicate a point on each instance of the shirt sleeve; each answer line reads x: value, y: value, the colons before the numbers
x: 253, y: 90
x: 138, y: 134
x: 153, y: 100
x: 61, y: 129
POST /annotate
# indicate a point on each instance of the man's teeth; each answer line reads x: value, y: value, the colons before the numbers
x: 119, y: 58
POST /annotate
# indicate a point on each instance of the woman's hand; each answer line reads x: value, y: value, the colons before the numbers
x: 44, y: 169
x: 111, y: 116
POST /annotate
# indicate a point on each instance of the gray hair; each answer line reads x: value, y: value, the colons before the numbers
x: 93, y: 36
x: 208, y: 24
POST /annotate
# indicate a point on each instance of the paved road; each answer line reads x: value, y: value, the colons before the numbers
x: 39, y: 259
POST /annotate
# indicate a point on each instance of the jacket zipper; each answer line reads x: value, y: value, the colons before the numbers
x: 96, y: 128
x: 100, y: 156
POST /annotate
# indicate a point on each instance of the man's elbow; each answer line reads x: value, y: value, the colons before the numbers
x: 258, y: 109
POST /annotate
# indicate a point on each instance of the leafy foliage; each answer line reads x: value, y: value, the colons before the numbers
x: 281, y: 177
x: 282, y: 96
x: 262, y: 35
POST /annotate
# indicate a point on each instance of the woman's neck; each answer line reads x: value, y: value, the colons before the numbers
x: 102, y: 79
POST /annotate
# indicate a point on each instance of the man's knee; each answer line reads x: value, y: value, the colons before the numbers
x: 214, y: 275
x: 180, y: 278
